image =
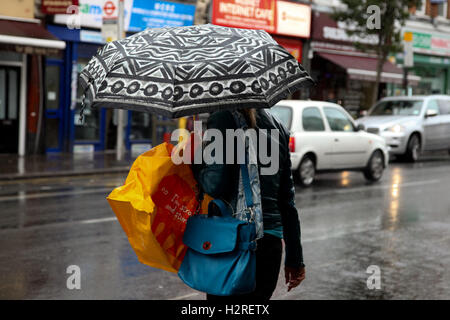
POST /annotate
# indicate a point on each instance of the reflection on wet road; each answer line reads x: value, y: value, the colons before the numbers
x: 401, y: 225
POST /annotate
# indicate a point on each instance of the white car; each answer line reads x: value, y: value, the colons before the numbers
x: 324, y: 137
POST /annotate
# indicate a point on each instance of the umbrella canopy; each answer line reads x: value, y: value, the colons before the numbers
x: 179, y: 71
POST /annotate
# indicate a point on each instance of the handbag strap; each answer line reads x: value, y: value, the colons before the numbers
x: 247, y: 188
x: 223, y: 208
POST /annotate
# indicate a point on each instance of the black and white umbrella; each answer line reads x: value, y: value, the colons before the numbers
x: 189, y: 70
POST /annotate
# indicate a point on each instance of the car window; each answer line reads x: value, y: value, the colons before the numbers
x: 397, y: 108
x: 338, y: 120
x: 312, y: 119
x: 433, y: 105
x: 283, y: 113
x: 444, y: 106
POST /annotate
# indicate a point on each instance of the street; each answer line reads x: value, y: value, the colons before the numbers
x: 400, y: 224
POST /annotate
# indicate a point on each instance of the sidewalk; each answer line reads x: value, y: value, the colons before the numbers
x: 62, y: 164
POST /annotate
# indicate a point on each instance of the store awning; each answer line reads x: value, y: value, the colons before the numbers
x: 28, y: 37
x: 364, y: 68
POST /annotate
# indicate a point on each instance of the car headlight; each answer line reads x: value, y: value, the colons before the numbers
x: 397, y: 128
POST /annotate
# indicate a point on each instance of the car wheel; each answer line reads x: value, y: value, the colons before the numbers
x: 306, y: 171
x: 413, y: 148
x: 375, y: 166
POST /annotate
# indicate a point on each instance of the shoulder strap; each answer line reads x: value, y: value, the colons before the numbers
x: 247, y: 187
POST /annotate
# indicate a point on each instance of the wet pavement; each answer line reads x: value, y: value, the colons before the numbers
x: 400, y: 224
x: 62, y: 164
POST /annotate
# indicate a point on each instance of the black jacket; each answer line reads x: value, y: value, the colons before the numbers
x: 277, y: 191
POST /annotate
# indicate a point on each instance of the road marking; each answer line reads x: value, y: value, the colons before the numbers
x: 186, y: 296
x: 24, y: 196
x: 98, y: 220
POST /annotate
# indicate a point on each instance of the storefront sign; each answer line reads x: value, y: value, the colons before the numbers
x: 293, y: 46
x: 91, y: 36
x: 293, y: 19
x: 325, y: 29
x: 91, y: 14
x: 57, y: 6
x: 156, y: 14
x: 277, y: 17
x: 251, y: 14
x: 110, y: 14
x: 408, y: 61
x: 431, y: 43
x: 18, y: 9
x: 139, y: 14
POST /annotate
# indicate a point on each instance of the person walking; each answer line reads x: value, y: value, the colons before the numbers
x: 280, y: 216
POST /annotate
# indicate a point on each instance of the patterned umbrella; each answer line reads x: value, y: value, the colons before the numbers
x: 189, y: 70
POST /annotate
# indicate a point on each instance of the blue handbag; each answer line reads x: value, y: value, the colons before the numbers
x: 221, y: 258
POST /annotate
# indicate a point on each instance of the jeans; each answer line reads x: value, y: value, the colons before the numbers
x: 268, y: 262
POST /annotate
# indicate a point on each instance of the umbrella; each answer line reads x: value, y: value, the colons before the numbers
x: 181, y: 71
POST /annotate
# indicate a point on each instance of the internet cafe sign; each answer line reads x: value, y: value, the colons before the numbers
x: 277, y: 17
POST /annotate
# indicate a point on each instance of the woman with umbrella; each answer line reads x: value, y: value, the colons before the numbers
x: 189, y: 70
x: 280, y: 216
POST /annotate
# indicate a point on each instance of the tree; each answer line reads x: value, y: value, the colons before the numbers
x: 381, y: 19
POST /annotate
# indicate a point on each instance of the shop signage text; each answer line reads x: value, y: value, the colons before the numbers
x: 279, y: 17
x: 156, y: 14
x: 431, y: 43
x: 139, y: 14
x: 57, y: 6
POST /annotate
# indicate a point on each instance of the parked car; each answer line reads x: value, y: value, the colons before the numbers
x: 324, y: 137
x: 411, y: 125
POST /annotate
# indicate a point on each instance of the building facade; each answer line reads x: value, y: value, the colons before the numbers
x: 346, y: 76
x: 430, y: 26
x: 24, y: 42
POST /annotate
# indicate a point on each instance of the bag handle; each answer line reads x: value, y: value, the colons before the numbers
x: 223, y: 208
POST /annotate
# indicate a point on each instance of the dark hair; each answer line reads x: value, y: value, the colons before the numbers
x: 250, y: 116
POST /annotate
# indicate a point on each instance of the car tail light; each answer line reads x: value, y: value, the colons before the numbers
x: 291, y: 144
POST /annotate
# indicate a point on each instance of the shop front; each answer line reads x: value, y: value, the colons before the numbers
x: 431, y: 62
x: 23, y: 43
x: 289, y: 23
x: 98, y: 129
x: 345, y: 75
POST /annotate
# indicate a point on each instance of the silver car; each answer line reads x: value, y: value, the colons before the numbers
x: 411, y: 124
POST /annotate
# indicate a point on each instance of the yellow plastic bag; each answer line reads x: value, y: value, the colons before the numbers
x: 153, y: 206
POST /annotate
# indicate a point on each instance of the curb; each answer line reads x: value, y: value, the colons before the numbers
x: 67, y: 173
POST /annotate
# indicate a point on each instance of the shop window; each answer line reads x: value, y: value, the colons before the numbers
x: 141, y: 126
x: 52, y: 83
x: 442, y: 9
x: 89, y: 128
x: 312, y: 119
x: 421, y: 8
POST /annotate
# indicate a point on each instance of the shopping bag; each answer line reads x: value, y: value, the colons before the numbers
x: 153, y: 206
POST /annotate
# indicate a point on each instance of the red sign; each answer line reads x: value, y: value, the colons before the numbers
x: 109, y: 8
x: 247, y: 14
x: 58, y: 6
x: 276, y: 17
x: 293, y: 46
